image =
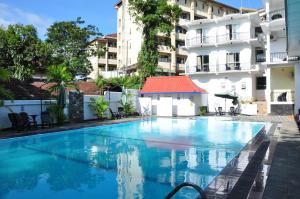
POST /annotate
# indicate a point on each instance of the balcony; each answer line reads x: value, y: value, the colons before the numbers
x: 112, y: 49
x: 200, y: 40
x: 282, y: 96
x: 180, y: 36
x: 112, y: 61
x: 235, y: 36
x: 219, y: 39
x: 276, y: 14
x: 180, y: 67
x: 102, y: 60
x: 164, y: 49
x: 222, y: 68
x: 278, y: 57
x: 274, y: 20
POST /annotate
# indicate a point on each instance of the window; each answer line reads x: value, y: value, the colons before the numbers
x: 185, y: 1
x: 180, y: 60
x: 186, y: 15
x: 233, y: 61
x: 179, y: 29
x: 164, y: 58
x: 243, y: 86
x: 261, y: 83
x: 258, y: 31
x: 260, y: 55
x: 112, y: 55
x: 232, y: 32
x: 199, y: 17
x: 202, y: 63
x: 179, y: 44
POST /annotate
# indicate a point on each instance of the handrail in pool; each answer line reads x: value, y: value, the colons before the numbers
x: 186, y: 184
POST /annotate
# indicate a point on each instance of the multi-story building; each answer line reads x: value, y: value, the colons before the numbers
x: 171, y: 60
x: 280, y: 73
x: 106, y: 65
x: 225, y: 55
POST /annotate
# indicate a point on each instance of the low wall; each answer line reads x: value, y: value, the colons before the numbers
x: 34, y: 107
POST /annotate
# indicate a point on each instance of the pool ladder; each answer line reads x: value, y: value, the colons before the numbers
x: 187, y: 184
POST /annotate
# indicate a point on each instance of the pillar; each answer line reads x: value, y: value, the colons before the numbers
x: 193, y: 6
x: 297, y: 87
x: 209, y: 11
x: 106, y: 57
x: 268, y: 90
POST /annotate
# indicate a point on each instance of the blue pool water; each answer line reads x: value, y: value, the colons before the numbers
x: 141, y: 159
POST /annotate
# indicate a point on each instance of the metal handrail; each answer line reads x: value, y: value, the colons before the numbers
x: 186, y: 184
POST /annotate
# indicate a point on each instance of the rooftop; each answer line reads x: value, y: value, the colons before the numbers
x: 171, y: 84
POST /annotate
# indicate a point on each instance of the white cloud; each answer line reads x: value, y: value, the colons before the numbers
x: 13, y: 15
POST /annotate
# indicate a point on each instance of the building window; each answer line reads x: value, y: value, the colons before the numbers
x: 202, y: 63
x: 232, y: 32
x: 243, y: 86
x: 179, y: 29
x: 179, y: 44
x: 164, y: 58
x: 233, y: 61
x: 261, y: 83
x: 260, y: 55
x: 186, y: 15
x: 180, y: 60
x: 258, y: 31
x: 112, y: 55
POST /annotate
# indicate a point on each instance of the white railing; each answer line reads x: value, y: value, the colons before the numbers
x: 278, y: 57
x: 218, y: 68
x: 282, y: 96
x: 200, y: 40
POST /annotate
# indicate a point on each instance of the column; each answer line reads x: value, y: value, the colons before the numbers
x: 297, y: 87
x: 209, y: 11
x: 106, y: 57
x: 193, y: 6
x: 173, y: 66
x: 268, y: 90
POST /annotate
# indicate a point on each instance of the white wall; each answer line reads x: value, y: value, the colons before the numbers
x: 186, y: 104
x: 221, y: 83
x: 32, y: 107
x: 297, y: 87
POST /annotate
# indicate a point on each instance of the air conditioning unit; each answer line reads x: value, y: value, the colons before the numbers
x: 273, y: 37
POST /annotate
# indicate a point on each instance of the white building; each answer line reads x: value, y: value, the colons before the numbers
x: 170, y: 60
x: 224, y: 56
x: 171, y: 96
x: 281, y: 68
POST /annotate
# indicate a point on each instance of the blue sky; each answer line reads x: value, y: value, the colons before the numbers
x: 101, y: 13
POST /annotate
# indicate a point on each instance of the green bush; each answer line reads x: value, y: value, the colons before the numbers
x: 203, y: 110
x: 99, y: 106
x: 57, y: 113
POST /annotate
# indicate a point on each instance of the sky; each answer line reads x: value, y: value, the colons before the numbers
x: 100, y: 13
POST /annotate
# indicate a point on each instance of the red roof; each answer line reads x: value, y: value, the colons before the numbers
x: 171, y: 84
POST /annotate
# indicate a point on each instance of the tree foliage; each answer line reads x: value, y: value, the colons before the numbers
x: 4, y: 93
x: 129, y: 82
x: 21, y: 51
x: 62, y: 79
x: 155, y: 17
x: 69, y: 41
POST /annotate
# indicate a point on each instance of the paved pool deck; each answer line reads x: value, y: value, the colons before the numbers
x: 283, y: 179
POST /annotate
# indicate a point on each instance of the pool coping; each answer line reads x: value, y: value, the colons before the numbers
x: 236, y: 179
x: 70, y: 126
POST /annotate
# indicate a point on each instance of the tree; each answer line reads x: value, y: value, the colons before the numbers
x: 154, y: 17
x: 62, y: 79
x: 21, y: 51
x: 69, y: 41
x: 4, y: 93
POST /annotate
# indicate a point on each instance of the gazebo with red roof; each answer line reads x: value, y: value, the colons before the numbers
x: 172, y: 95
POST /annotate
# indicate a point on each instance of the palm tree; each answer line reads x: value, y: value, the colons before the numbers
x: 62, y: 79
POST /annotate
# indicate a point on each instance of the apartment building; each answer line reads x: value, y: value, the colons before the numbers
x: 281, y: 66
x: 225, y: 55
x: 105, y: 65
x: 171, y: 60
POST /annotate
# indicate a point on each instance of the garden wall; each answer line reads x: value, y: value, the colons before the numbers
x: 34, y: 107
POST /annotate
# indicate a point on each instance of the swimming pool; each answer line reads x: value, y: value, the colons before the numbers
x: 140, y: 159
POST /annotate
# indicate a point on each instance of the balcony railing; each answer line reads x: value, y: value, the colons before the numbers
x: 282, y: 96
x: 233, y: 36
x: 200, y: 40
x: 221, y: 67
x: 260, y: 58
x: 278, y: 57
